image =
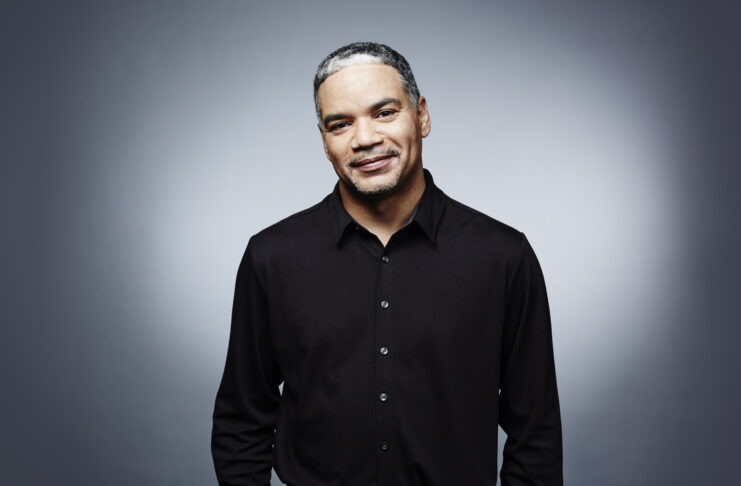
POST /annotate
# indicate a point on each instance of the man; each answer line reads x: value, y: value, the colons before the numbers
x: 404, y: 325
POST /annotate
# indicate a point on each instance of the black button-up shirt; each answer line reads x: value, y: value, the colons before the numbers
x: 398, y: 363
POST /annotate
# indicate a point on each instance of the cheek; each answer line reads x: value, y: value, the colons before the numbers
x: 337, y: 151
x: 331, y: 145
x: 406, y: 135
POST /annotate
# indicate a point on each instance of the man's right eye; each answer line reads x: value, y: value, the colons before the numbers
x: 337, y: 126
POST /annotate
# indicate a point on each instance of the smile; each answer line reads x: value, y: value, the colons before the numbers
x: 373, y: 163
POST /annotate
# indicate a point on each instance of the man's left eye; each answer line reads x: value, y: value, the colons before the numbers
x: 385, y: 113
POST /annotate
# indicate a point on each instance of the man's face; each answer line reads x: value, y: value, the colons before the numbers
x: 371, y: 132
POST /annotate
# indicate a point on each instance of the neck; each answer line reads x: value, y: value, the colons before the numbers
x: 385, y: 215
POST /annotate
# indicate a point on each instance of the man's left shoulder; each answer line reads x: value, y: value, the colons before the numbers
x: 481, y: 229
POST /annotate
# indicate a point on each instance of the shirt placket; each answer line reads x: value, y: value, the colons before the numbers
x: 384, y: 352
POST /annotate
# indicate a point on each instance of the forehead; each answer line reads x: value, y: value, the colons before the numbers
x: 359, y: 86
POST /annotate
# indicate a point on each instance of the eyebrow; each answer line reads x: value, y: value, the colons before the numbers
x: 380, y: 104
x: 384, y: 102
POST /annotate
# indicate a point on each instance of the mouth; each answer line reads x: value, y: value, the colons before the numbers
x: 371, y: 160
x: 374, y: 161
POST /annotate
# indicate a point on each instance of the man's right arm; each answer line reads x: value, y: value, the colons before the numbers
x: 246, y: 408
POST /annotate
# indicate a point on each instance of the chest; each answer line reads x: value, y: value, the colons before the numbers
x: 439, y: 303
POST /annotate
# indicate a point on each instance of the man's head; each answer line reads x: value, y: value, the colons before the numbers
x: 365, y: 53
x: 371, y: 117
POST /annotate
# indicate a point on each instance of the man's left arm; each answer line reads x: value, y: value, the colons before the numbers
x: 529, y: 411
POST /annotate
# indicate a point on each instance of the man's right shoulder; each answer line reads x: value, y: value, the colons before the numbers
x: 301, y: 228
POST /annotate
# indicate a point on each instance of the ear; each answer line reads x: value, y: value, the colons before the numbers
x: 423, y: 116
x: 324, y: 140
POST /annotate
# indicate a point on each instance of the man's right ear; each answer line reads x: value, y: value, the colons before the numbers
x: 324, y: 142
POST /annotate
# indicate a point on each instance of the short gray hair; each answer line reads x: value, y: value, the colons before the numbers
x: 365, y: 53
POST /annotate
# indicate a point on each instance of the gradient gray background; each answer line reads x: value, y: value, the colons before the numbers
x: 142, y: 144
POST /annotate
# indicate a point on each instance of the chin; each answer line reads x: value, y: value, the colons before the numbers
x: 380, y: 188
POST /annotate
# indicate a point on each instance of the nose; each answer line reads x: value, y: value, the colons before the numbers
x: 365, y: 135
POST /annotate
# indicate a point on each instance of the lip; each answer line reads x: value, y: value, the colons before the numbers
x: 374, y: 163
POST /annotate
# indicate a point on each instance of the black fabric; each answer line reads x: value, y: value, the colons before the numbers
x: 458, y: 303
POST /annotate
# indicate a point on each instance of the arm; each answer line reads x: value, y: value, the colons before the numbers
x: 529, y: 411
x: 247, y: 401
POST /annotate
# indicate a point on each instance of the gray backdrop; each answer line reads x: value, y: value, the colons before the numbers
x: 143, y: 143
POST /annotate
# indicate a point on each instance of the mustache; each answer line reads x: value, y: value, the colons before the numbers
x: 369, y: 155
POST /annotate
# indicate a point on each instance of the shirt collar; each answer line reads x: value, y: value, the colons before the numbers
x: 427, y: 213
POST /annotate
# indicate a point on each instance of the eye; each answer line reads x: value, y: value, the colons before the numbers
x: 337, y: 126
x: 385, y: 113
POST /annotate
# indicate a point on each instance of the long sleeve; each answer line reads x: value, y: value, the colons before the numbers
x: 246, y: 407
x: 529, y: 410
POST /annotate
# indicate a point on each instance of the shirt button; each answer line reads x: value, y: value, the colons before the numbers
x: 385, y: 445
x: 385, y: 259
x: 384, y: 350
x: 383, y: 397
x: 384, y: 304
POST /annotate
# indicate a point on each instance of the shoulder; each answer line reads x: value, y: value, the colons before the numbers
x: 281, y: 236
x: 480, y: 229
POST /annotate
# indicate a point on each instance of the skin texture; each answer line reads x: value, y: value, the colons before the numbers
x: 367, y: 115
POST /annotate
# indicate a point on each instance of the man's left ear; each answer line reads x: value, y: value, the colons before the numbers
x: 423, y: 115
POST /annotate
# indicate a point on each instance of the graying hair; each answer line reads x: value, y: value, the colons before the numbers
x: 365, y: 53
